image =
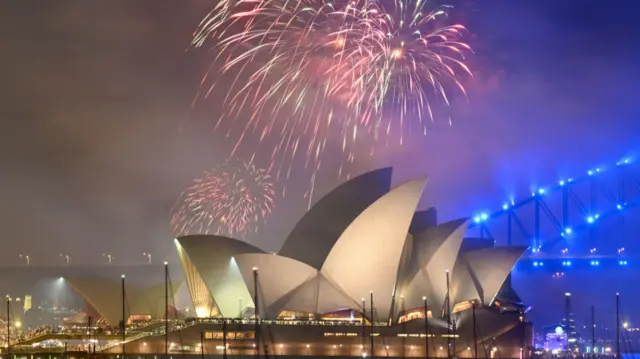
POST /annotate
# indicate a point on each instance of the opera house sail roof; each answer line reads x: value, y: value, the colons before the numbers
x: 104, y: 296
x: 359, y: 242
x: 352, y: 243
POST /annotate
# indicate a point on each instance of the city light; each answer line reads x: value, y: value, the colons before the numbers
x: 108, y: 256
x: 66, y: 257
x: 505, y: 207
x: 566, y: 263
x: 27, y: 258
x: 595, y: 263
x: 482, y: 217
x: 538, y: 264
x: 623, y: 263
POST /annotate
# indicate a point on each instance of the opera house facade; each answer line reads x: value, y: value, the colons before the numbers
x: 361, y: 274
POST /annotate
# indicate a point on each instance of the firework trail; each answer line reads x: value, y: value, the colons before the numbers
x: 231, y: 199
x: 298, y: 74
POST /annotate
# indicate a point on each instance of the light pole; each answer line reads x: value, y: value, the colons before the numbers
x: 618, y: 325
x: 426, y: 327
x: 256, y: 312
x: 108, y: 256
x: 66, y: 257
x: 124, y: 318
x: 373, y: 350
x: 26, y: 258
x: 364, y: 325
x: 475, y: 330
x: 148, y: 256
x: 166, y: 309
x: 202, y: 345
x: 9, y: 325
x: 593, y: 332
x: 448, y: 309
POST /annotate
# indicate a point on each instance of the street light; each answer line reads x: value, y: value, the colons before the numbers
x: 148, y: 255
x: 66, y: 257
x: 625, y: 325
x: 108, y: 256
x: 27, y: 258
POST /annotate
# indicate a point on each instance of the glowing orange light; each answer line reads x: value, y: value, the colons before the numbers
x: 340, y: 42
x: 397, y: 53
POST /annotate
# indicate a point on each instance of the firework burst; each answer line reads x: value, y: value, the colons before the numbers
x: 231, y: 199
x: 310, y: 71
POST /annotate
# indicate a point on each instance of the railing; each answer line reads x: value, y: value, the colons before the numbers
x: 81, y: 331
x: 176, y: 325
x: 135, y: 334
x: 129, y: 339
x: 351, y: 323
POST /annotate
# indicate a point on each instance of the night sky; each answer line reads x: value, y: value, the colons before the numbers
x: 99, y: 137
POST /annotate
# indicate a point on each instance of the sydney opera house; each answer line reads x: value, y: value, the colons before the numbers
x: 363, y: 273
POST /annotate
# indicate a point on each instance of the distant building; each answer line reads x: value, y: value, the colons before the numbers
x: 27, y: 303
x: 569, y: 325
x: 555, y: 339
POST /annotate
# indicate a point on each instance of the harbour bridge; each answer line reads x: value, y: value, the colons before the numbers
x: 586, y: 220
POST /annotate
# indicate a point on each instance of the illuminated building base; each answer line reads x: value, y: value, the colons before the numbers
x: 319, y: 339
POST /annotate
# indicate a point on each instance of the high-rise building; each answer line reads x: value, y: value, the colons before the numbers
x: 569, y: 324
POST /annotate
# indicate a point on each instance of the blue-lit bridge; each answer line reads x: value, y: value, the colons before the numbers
x: 586, y: 220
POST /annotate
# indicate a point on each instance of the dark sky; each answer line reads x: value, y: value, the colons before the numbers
x: 99, y: 138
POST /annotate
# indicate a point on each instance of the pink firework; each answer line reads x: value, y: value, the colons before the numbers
x: 296, y: 78
x: 231, y: 199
